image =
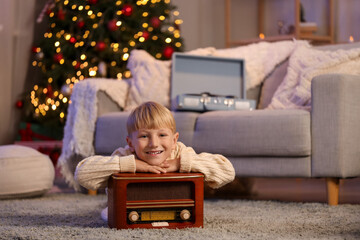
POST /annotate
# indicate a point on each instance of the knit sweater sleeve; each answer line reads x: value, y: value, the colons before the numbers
x: 217, y: 169
x: 93, y: 172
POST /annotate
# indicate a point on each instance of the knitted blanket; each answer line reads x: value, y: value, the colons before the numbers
x: 304, y: 64
x: 80, y: 123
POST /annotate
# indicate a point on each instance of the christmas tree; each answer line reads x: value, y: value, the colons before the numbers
x: 93, y: 38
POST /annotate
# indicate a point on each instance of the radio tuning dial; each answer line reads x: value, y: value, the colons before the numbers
x: 185, y: 214
x: 133, y: 216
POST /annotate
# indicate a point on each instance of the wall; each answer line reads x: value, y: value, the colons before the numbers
x: 16, y: 24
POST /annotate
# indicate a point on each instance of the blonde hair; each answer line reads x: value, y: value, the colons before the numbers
x: 150, y: 115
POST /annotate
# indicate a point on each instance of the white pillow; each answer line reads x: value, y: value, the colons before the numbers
x: 150, y: 80
x: 304, y: 64
x: 24, y: 172
x: 260, y: 58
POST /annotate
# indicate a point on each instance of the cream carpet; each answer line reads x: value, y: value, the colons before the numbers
x: 77, y: 216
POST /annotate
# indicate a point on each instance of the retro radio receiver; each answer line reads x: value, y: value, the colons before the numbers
x: 146, y: 200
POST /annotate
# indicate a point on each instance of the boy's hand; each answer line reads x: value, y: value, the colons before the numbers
x: 142, y: 166
x: 172, y: 165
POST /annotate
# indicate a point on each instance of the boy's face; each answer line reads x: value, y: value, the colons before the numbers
x: 153, y: 145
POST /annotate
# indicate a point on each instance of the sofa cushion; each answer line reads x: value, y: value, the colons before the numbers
x: 110, y: 132
x: 254, y: 133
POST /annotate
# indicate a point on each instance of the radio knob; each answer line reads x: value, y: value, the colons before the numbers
x: 133, y: 216
x: 185, y: 214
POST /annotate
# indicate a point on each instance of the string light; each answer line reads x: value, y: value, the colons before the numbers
x: 125, y: 57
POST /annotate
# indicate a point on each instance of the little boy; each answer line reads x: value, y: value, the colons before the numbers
x: 153, y: 147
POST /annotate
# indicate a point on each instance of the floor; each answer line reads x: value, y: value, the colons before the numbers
x: 279, y: 189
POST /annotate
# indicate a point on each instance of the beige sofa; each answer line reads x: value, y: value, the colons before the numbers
x: 322, y: 143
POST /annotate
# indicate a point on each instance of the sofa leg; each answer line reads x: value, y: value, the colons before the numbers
x: 332, y: 186
x: 92, y: 192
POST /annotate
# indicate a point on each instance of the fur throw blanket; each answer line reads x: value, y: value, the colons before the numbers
x: 80, y: 123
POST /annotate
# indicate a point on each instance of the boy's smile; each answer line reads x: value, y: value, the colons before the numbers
x: 153, y: 145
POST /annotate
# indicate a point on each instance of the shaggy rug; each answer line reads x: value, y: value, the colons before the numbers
x: 77, y: 216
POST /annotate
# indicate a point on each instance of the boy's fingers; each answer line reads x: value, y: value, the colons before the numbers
x: 156, y: 169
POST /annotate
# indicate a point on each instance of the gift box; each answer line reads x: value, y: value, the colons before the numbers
x: 37, y: 132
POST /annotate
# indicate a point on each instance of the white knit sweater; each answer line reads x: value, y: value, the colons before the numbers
x: 94, y: 172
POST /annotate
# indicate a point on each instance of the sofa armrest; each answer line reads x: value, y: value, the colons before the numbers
x: 335, y: 126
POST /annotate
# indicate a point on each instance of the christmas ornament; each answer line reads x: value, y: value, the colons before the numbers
x: 77, y: 65
x: 146, y: 35
x: 155, y: 22
x: 61, y: 15
x: 100, y: 46
x: 66, y: 90
x: 112, y: 25
x: 48, y: 12
x: 102, y: 69
x: 72, y: 40
x: 35, y: 49
x: 50, y: 92
x: 19, y: 104
x: 80, y: 24
x: 58, y: 57
x: 168, y: 51
x: 127, y: 10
